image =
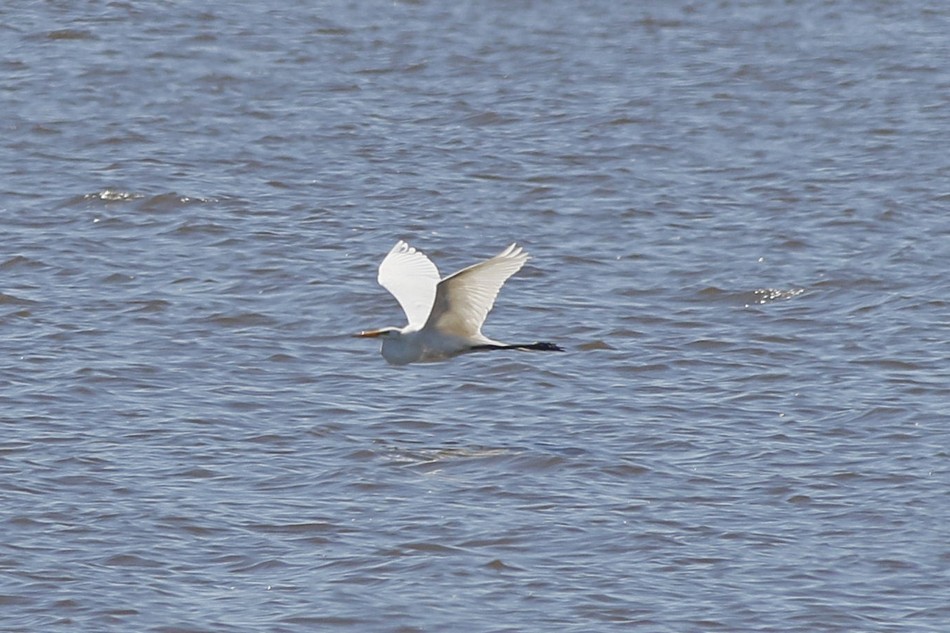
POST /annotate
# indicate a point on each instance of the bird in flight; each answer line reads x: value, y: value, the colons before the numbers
x: 445, y: 315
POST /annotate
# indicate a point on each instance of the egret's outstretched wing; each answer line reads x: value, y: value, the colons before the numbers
x: 411, y: 277
x: 463, y: 300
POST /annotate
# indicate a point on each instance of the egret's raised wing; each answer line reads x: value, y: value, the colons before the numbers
x: 463, y: 300
x: 411, y: 277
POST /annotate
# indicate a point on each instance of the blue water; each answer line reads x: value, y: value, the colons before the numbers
x: 737, y: 218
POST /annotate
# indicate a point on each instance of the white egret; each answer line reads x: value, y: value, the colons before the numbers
x: 445, y: 316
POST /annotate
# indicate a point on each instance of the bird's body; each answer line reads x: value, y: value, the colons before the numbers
x: 445, y: 315
x: 411, y: 346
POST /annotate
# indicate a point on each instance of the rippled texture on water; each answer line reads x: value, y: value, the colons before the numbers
x: 738, y: 218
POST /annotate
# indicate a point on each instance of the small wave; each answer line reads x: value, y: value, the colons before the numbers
x: 6, y: 299
x: 170, y: 201
x: 112, y: 195
x: 768, y: 295
x: 586, y: 347
x: 156, y: 202
x: 746, y: 298
x: 20, y: 262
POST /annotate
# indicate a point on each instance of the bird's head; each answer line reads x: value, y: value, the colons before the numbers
x: 384, y: 333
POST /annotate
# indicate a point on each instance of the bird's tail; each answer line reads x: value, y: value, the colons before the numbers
x: 540, y: 346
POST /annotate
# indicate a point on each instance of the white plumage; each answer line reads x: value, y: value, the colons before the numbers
x: 445, y: 316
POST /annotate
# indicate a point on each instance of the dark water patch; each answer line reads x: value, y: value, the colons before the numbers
x: 239, y: 321
x: 71, y: 34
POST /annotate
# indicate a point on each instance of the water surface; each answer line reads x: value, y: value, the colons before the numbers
x: 737, y: 217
